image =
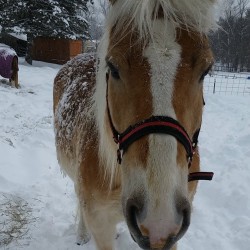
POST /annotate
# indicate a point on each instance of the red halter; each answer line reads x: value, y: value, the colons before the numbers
x: 157, y: 125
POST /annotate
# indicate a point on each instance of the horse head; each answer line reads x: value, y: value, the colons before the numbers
x: 153, y: 58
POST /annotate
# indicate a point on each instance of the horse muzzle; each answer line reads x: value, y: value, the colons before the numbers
x: 145, y: 236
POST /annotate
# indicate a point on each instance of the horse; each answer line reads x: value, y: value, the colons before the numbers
x: 127, y: 121
x: 9, y: 65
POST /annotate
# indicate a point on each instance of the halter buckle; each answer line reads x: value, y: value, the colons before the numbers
x: 119, y: 155
x: 190, y: 159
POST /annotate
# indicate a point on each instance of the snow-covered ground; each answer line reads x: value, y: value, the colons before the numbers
x: 228, y: 83
x: 34, y: 193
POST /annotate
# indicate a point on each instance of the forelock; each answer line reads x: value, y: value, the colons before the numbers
x: 195, y: 15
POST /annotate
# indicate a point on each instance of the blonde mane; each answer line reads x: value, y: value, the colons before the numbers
x: 196, y: 15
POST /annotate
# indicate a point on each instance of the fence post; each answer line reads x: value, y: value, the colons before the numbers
x: 214, y: 85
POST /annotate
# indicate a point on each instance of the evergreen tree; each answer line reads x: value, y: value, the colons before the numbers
x: 4, y: 10
x: 49, y: 18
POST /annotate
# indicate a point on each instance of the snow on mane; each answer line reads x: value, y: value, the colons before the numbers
x: 197, y: 15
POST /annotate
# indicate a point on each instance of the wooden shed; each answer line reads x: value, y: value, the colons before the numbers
x: 55, y: 50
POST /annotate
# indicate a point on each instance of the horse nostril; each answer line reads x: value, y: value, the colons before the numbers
x: 184, y: 208
x: 134, y: 210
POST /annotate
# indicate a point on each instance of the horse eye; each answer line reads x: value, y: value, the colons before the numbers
x: 204, y: 74
x: 114, y: 71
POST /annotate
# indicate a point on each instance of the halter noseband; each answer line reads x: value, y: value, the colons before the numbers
x: 157, y: 125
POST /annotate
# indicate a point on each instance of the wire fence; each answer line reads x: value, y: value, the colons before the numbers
x: 227, y: 83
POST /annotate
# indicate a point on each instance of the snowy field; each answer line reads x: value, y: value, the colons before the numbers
x: 34, y: 194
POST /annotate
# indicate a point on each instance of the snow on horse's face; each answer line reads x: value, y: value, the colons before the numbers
x: 157, y: 75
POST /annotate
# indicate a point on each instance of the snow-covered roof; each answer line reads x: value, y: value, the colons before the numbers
x: 2, y: 45
x: 19, y: 36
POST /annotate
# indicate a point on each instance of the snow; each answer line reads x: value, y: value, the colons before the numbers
x: 30, y: 175
x: 20, y: 36
x: 228, y: 83
x: 6, y: 50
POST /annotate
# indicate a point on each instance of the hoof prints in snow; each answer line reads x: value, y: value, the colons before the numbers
x: 16, y: 219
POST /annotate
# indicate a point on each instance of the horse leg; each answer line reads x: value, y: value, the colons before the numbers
x: 14, y: 77
x: 101, y: 219
x: 83, y: 235
x: 16, y: 80
x: 103, y: 211
x: 11, y: 81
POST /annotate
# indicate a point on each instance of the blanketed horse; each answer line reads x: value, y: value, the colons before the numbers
x: 9, y: 65
x: 127, y: 121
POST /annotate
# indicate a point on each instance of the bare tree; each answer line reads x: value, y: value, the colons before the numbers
x: 229, y: 42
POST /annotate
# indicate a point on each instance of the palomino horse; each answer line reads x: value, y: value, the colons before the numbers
x: 127, y: 123
x: 9, y: 65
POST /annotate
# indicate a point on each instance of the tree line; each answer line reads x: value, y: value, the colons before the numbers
x: 78, y: 19
x: 231, y: 42
x: 49, y: 18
